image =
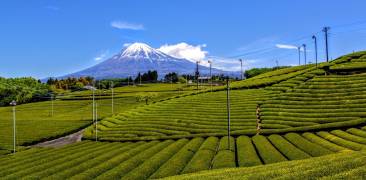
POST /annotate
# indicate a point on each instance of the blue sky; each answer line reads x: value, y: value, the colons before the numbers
x: 53, y: 37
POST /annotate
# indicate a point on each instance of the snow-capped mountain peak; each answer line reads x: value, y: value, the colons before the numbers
x: 142, y: 50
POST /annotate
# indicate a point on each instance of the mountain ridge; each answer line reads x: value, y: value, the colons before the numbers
x: 140, y: 58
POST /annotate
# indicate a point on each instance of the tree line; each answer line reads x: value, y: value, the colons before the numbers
x: 22, y: 90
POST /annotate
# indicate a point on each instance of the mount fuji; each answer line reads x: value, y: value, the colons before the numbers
x: 140, y: 57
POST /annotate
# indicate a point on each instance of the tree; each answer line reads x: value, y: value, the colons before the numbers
x: 145, y: 97
x: 171, y: 77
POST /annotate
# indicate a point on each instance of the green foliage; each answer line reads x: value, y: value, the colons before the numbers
x: 286, y: 148
x: 345, y: 165
x: 318, y: 140
x: 257, y: 71
x: 22, y: 90
x: 306, y: 146
x: 225, y: 157
x: 171, y: 77
x: 177, y: 163
x: 247, y: 155
x: 71, y: 83
x: 202, y: 159
x: 266, y: 150
x: 340, y: 141
x: 145, y: 97
x: 133, y: 162
x: 149, y: 166
x: 113, y: 162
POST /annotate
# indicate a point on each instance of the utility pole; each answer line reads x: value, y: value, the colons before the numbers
x: 228, y: 110
x: 299, y: 49
x: 304, y: 46
x: 92, y: 88
x: 197, y: 73
x: 51, y: 105
x: 277, y: 64
x: 96, y: 122
x: 14, y: 103
x: 112, y: 98
x: 316, y: 50
x: 93, y: 105
x: 128, y: 81
x: 210, y: 74
x: 325, y: 30
x: 241, y: 68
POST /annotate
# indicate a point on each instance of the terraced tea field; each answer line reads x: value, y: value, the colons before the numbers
x: 72, y: 112
x: 294, y: 123
x: 309, y: 101
x: 157, y: 159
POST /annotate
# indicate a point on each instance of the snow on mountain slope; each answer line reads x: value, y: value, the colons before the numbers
x: 139, y: 57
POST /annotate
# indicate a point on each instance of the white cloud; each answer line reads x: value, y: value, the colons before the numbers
x: 229, y: 64
x: 196, y: 53
x: 102, y: 55
x: 286, y: 46
x: 186, y: 51
x: 127, y: 25
x: 126, y: 44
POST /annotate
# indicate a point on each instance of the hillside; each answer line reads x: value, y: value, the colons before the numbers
x: 297, y: 99
x: 345, y: 165
x: 312, y: 123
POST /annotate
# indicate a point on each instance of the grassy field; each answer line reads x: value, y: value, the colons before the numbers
x: 73, y: 111
x: 158, y: 159
x: 344, y: 165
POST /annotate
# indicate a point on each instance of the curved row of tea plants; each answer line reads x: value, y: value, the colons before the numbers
x: 156, y: 159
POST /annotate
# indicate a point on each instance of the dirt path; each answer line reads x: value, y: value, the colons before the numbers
x: 62, y: 141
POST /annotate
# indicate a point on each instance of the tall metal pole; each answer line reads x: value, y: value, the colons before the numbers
x: 241, y: 69
x: 93, y: 106
x: 277, y: 63
x: 112, y: 98
x: 316, y: 50
x: 228, y: 110
x: 96, y: 122
x: 325, y: 30
x: 299, y: 50
x: 14, y: 103
x: 197, y: 74
x: 210, y: 74
x: 304, y: 45
x: 51, y: 105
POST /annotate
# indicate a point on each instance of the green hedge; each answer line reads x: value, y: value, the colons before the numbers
x: 286, y: 148
x: 177, y: 163
x: 149, y: 166
x: 247, y: 155
x: 113, y: 162
x: 307, y: 146
x: 322, y: 142
x: 133, y: 162
x: 341, y: 141
x: 225, y: 157
x: 203, y: 158
x: 348, y: 136
x: 267, y: 152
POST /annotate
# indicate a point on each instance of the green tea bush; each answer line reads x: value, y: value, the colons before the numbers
x: 286, y: 148
x: 267, y: 152
x: 307, y: 146
x: 247, y: 155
